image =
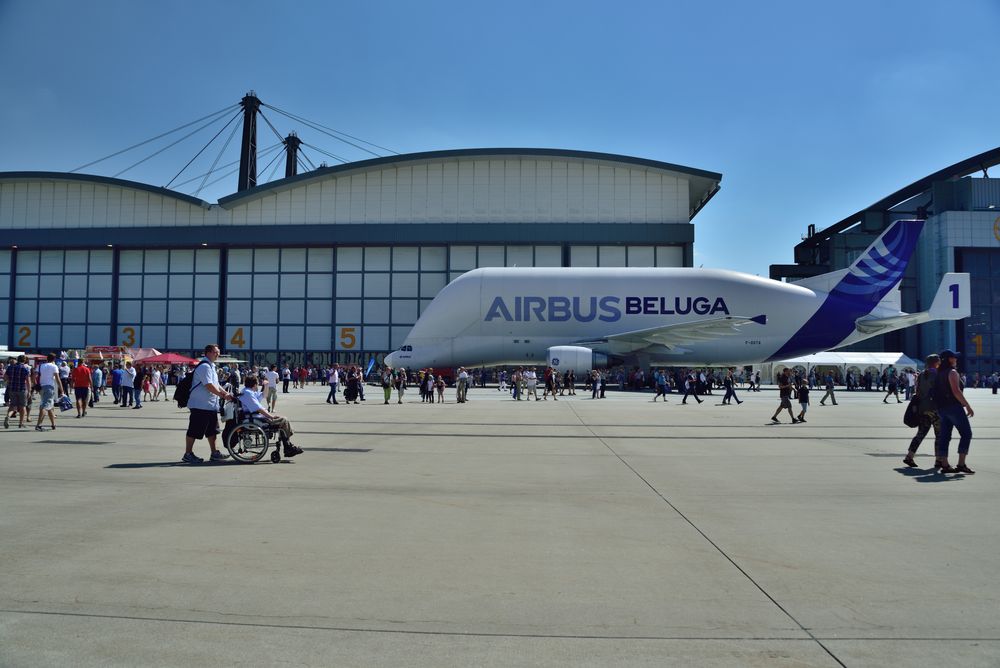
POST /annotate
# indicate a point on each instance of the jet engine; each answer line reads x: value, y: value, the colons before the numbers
x: 581, y: 360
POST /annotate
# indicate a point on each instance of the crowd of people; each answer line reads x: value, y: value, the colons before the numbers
x: 87, y: 382
x: 936, y: 392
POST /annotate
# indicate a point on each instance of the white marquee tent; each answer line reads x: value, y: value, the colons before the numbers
x: 842, y: 361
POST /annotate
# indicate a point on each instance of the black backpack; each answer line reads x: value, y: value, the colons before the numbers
x: 182, y: 392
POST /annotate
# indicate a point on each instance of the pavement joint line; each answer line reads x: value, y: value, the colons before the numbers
x: 350, y: 629
x: 553, y: 636
x: 712, y: 543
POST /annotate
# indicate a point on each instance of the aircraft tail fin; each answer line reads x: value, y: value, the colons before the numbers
x: 877, y: 270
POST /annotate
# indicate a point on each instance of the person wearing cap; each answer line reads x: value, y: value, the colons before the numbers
x: 950, y: 402
x: 926, y: 406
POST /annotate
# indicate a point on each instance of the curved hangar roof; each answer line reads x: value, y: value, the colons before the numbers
x: 469, y: 185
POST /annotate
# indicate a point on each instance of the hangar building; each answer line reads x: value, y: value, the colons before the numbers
x: 337, y: 261
x: 961, y: 206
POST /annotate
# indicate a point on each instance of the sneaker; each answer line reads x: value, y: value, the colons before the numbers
x: 775, y: 421
x: 191, y: 458
x: 217, y: 456
x: 38, y: 428
x: 909, y: 462
x: 292, y: 450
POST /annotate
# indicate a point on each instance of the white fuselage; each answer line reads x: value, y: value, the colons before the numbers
x: 512, y: 316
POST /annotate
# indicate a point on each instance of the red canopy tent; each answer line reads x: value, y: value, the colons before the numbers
x: 167, y: 358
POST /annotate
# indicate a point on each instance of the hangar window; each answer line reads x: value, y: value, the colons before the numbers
x: 434, y: 258
x: 377, y: 258
x: 265, y: 260
x: 612, y: 256
x: 405, y: 258
x: 583, y: 256
x: 463, y: 258
x: 51, y: 262
x: 548, y: 256
x: 206, y: 261
x: 491, y: 256
x: 76, y: 262
x: 349, y: 259
x: 320, y: 259
x: 669, y: 256
x: 376, y: 338
x: 240, y: 260
x: 520, y: 256
x: 129, y: 262
x: 182, y: 261
x: 641, y: 256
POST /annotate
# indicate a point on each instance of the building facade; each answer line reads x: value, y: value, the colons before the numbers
x: 339, y: 261
x: 961, y: 208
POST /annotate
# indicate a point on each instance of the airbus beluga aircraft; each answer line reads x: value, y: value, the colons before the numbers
x: 584, y: 318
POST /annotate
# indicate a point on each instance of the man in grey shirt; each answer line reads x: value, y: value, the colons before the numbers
x: 204, y: 406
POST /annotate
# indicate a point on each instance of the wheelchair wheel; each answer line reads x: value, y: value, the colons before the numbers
x: 275, y: 456
x: 247, y: 443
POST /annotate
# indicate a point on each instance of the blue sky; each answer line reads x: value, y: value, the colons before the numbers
x: 810, y: 111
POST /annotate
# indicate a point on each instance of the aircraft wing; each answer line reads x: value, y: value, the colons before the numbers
x: 685, y: 332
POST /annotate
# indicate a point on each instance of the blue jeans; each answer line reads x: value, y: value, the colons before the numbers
x: 953, y: 416
x: 137, y: 393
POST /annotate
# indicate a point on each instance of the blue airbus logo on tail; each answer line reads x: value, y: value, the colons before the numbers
x: 882, y: 266
x: 866, y: 283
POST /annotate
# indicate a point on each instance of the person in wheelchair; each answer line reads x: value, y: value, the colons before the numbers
x: 251, y: 400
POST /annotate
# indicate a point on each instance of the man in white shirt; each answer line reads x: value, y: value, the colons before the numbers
x: 463, y: 384
x: 333, y: 379
x: 204, y: 406
x: 51, y: 384
x: 250, y: 400
x: 155, y: 382
x: 531, y: 378
x: 271, y: 377
x: 128, y: 385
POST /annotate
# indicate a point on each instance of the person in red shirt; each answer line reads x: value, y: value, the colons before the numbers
x: 82, y: 384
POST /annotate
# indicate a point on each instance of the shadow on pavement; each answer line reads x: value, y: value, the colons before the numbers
x: 928, y: 475
x: 154, y: 465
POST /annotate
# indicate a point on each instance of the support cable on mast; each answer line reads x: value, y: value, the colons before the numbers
x: 216, y: 136
x: 260, y: 154
x: 218, y: 157
x: 213, y: 116
x: 332, y: 132
x: 326, y: 153
x: 171, y: 145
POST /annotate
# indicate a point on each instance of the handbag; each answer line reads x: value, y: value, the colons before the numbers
x: 64, y: 403
x: 911, y: 418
